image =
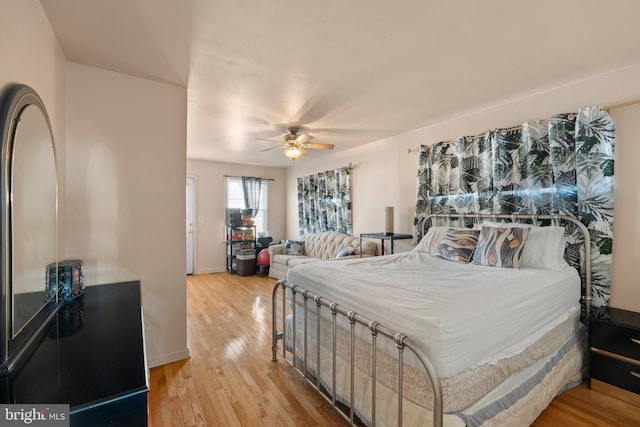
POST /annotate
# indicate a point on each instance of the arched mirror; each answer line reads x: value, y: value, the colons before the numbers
x: 29, y: 213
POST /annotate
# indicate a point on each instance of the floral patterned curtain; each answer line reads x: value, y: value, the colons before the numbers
x: 563, y: 165
x: 324, y: 202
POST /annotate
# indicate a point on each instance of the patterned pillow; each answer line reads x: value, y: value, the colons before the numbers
x: 293, y: 247
x: 545, y: 245
x: 346, y: 251
x: 457, y: 245
x: 500, y: 246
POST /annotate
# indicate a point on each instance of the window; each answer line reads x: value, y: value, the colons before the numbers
x: 235, y: 199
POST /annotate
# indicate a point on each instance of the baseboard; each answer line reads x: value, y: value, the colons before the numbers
x: 163, y: 359
x: 211, y: 270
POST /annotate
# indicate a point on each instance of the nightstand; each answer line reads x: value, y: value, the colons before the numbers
x: 392, y: 237
x: 614, y: 337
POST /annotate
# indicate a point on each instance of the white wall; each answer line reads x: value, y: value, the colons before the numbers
x: 385, y: 174
x: 626, y: 223
x: 31, y: 55
x: 126, y: 168
x: 209, y: 253
x: 374, y: 185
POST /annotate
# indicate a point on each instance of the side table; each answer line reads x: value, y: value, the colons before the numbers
x: 391, y: 237
x: 615, y: 353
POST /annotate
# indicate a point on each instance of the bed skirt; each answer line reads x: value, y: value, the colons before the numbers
x: 510, y: 392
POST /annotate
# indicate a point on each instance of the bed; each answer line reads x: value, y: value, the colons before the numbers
x: 421, y: 338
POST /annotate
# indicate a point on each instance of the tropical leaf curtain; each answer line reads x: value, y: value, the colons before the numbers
x: 324, y: 202
x: 563, y: 165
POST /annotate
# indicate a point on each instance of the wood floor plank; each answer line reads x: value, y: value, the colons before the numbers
x: 230, y: 380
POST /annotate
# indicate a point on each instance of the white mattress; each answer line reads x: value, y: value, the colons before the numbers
x: 461, y: 315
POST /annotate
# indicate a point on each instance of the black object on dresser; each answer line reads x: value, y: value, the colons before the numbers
x: 92, y: 358
x: 615, y: 353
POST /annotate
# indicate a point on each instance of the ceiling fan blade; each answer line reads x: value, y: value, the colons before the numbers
x: 320, y: 146
x: 270, y: 140
x: 303, y: 138
x: 274, y: 148
x: 341, y: 131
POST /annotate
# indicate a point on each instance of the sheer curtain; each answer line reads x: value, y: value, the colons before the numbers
x: 563, y: 165
x: 324, y: 202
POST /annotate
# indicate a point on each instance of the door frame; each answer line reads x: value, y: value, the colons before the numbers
x: 194, y: 251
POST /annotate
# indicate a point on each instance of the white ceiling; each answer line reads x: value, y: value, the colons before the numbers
x: 349, y: 71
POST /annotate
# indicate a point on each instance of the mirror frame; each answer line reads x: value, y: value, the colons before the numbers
x: 13, y: 349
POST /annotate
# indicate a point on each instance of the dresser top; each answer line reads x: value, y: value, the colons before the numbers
x: 616, y: 316
x: 93, y: 352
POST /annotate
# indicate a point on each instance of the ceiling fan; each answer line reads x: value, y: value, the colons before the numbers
x: 294, y: 143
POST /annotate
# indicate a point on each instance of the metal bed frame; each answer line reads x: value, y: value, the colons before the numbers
x: 400, y: 340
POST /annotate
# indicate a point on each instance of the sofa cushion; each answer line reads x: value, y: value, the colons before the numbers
x: 287, y: 259
x: 327, y: 244
x: 318, y: 247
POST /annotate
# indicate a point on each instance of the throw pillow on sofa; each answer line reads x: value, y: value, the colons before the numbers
x: 346, y: 251
x: 293, y: 247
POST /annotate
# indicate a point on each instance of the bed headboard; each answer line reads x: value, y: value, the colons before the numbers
x: 585, y: 266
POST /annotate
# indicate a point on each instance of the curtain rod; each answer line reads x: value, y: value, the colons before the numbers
x: 264, y: 179
x: 472, y: 137
x: 605, y: 108
x: 506, y: 130
x: 350, y: 167
x: 622, y: 104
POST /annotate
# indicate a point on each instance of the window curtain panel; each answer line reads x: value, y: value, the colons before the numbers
x: 563, y: 165
x: 252, y: 189
x: 324, y: 202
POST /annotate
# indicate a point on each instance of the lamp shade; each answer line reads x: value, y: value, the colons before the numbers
x: 388, y: 220
x: 293, y: 152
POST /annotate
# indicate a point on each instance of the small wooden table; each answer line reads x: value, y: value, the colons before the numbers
x: 391, y: 237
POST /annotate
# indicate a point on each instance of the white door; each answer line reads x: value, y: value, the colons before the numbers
x: 190, y: 216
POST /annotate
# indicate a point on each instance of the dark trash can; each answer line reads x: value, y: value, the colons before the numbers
x: 245, y: 262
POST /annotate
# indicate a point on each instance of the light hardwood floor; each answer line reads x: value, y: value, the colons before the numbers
x: 230, y: 379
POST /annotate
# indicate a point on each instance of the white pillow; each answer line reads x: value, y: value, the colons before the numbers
x: 431, y: 240
x: 544, y: 247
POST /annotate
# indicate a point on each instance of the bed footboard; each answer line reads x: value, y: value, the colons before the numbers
x: 377, y: 331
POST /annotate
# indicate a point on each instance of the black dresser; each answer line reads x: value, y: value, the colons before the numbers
x: 92, y: 357
x: 615, y: 353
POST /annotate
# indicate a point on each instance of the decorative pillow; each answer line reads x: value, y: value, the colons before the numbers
x: 433, y: 236
x: 457, y: 245
x: 545, y: 246
x: 431, y: 239
x: 293, y: 247
x: 346, y: 251
x: 500, y: 246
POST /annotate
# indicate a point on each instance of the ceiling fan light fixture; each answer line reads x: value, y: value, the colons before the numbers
x: 294, y: 152
x: 294, y: 143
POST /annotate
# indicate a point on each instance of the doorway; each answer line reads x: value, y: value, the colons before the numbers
x: 190, y: 222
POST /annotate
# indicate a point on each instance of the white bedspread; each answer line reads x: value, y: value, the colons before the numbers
x: 461, y: 315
